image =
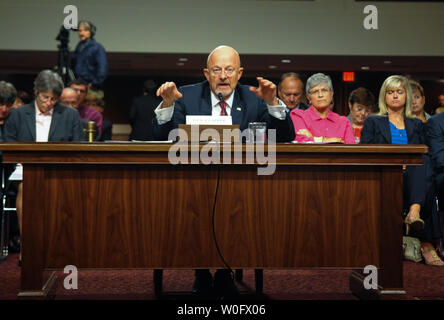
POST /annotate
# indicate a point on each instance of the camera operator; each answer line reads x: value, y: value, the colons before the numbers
x: 89, y: 58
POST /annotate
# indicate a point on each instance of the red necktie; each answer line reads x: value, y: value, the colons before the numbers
x: 223, y: 111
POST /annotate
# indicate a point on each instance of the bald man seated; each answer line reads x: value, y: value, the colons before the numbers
x: 70, y: 98
x: 244, y: 104
x: 291, y: 91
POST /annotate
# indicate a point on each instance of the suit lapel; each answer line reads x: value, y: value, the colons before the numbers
x: 55, y: 120
x: 30, y: 119
x: 205, y: 107
x: 237, y: 109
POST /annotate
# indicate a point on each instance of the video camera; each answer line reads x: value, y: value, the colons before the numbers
x: 63, y: 65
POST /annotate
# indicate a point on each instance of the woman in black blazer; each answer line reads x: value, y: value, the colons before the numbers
x: 396, y: 124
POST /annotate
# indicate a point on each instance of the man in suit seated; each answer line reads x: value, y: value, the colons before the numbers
x: 244, y: 104
x: 291, y: 91
x: 42, y: 120
x: 70, y: 98
x: 435, y: 140
x: 86, y: 112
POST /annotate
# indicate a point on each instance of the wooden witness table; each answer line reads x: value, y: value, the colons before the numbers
x: 123, y: 205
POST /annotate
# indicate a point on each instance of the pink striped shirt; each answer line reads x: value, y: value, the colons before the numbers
x: 332, y: 126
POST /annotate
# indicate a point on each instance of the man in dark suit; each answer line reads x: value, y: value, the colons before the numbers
x: 291, y: 91
x: 222, y: 95
x: 142, y: 113
x: 244, y: 104
x: 435, y: 141
x: 42, y: 120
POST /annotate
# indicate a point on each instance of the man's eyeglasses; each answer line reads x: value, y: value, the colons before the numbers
x: 217, y: 71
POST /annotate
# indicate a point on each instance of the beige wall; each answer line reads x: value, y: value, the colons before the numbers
x: 252, y: 26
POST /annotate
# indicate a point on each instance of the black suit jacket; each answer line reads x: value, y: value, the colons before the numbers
x: 246, y: 108
x: 376, y: 130
x: 435, y: 140
x: 65, y: 124
x: 141, y: 117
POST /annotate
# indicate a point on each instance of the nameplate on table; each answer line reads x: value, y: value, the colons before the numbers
x: 209, y: 120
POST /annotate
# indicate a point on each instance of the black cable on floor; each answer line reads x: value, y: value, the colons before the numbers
x: 212, y: 222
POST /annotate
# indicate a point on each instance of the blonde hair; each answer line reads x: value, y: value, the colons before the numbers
x: 391, y: 83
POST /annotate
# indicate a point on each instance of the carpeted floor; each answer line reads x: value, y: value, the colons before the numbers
x: 420, y: 281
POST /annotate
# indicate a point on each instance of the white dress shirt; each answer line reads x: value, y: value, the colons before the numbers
x: 42, y: 124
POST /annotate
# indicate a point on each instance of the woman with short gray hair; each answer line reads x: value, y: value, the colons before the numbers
x: 42, y: 120
x: 318, y: 123
x: 317, y: 79
x: 48, y: 80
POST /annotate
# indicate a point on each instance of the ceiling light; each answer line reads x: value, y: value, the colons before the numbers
x: 365, y: 68
x: 286, y: 61
x: 180, y: 64
x: 183, y: 59
x: 387, y: 62
x: 272, y: 67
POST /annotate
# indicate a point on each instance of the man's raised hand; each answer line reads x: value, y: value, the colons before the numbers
x: 266, y: 91
x: 169, y: 93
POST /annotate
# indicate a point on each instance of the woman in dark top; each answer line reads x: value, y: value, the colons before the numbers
x: 396, y: 124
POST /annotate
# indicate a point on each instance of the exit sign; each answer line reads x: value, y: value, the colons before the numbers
x: 348, y: 76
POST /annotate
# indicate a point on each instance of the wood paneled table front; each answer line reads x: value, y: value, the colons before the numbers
x: 124, y: 205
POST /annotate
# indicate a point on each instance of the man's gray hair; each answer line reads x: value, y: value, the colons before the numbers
x: 48, y: 80
x: 316, y: 79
